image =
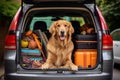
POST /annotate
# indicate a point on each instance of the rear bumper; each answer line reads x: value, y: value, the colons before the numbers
x: 13, y: 73
x: 117, y: 60
x: 99, y: 76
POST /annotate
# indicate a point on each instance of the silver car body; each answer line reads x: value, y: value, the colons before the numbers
x: 116, y: 45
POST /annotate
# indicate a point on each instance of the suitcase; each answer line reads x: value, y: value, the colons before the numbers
x: 85, y: 44
x: 85, y: 37
x: 85, y: 41
x: 85, y: 58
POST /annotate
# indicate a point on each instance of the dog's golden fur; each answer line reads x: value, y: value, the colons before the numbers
x: 60, y: 46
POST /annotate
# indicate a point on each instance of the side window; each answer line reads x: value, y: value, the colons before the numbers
x: 116, y: 35
x: 79, y: 19
x: 81, y: 24
x: 47, y: 20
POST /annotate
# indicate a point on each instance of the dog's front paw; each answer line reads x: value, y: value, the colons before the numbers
x: 45, y: 66
x: 74, y: 68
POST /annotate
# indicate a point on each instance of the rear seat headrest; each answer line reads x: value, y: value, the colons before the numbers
x: 40, y: 25
x: 76, y: 26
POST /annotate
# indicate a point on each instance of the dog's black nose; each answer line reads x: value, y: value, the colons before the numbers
x: 62, y: 32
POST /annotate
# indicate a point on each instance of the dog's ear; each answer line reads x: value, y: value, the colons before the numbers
x: 71, y: 30
x: 52, y: 28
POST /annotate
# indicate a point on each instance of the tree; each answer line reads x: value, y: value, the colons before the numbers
x: 111, y: 12
x: 8, y: 9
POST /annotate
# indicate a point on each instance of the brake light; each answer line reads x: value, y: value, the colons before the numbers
x: 10, y: 42
x: 107, y: 42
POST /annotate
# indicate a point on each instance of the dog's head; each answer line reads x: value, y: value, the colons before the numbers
x: 62, y: 29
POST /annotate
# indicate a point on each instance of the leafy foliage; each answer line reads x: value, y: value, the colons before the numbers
x: 111, y: 12
x: 8, y: 8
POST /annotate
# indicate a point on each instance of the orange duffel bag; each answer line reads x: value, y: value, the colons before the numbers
x: 85, y: 58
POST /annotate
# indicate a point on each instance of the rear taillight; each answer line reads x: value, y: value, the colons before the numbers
x: 10, y: 42
x: 107, y: 42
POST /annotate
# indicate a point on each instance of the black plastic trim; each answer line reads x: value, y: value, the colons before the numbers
x: 12, y: 32
x: 106, y: 32
x: 58, y: 1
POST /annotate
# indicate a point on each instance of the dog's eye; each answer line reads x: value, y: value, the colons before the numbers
x: 65, y: 25
x: 58, y: 25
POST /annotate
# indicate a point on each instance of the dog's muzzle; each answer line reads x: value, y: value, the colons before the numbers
x: 62, y: 35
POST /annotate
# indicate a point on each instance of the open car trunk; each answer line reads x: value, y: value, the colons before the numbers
x: 38, y: 21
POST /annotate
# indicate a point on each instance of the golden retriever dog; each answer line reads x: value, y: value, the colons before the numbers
x: 60, y: 46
